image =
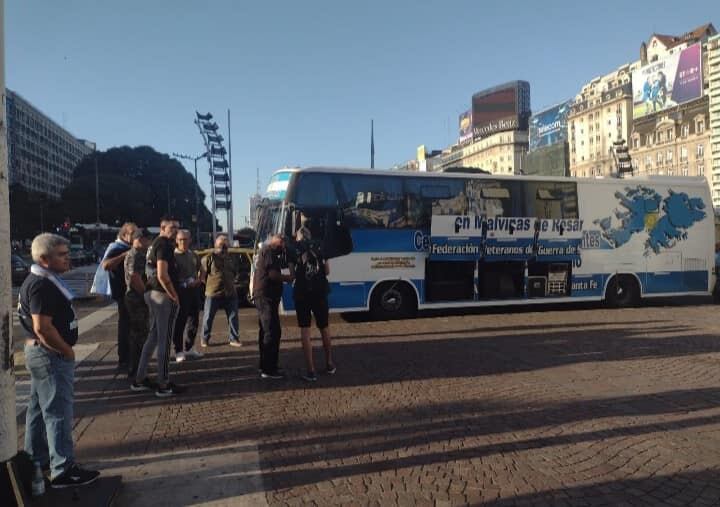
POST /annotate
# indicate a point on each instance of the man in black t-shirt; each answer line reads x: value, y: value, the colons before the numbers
x: 310, y: 293
x: 162, y: 300
x: 267, y: 291
x: 46, y: 313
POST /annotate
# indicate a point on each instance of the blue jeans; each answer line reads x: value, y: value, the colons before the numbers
x: 49, y: 416
x: 212, y: 305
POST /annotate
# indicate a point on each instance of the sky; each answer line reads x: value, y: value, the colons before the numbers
x: 302, y: 80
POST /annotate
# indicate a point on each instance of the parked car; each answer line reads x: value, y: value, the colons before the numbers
x: 77, y: 256
x: 20, y: 269
x: 243, y: 259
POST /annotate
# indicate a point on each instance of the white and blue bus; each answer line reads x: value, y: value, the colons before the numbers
x: 403, y: 241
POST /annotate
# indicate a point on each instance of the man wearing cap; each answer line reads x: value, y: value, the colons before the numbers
x: 135, y: 280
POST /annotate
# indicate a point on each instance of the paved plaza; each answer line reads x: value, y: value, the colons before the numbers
x: 569, y: 407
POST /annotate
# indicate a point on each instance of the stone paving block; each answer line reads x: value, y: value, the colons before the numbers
x: 566, y: 407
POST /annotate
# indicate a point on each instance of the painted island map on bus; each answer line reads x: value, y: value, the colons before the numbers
x: 642, y: 213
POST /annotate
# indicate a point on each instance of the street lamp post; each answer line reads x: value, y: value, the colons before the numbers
x: 197, y: 198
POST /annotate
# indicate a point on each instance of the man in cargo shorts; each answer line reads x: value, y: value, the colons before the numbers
x: 135, y: 280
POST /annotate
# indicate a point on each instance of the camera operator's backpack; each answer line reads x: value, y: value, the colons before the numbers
x: 314, y: 272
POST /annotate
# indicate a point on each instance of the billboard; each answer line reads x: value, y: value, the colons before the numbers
x: 465, y: 127
x: 504, y: 107
x: 668, y: 82
x: 549, y: 127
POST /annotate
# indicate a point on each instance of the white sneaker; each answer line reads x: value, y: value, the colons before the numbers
x: 180, y: 357
x: 193, y: 354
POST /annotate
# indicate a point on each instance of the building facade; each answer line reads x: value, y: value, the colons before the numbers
x: 253, y: 203
x: 673, y: 143
x: 675, y: 140
x: 500, y: 153
x: 41, y: 154
x: 713, y: 91
x: 599, y: 116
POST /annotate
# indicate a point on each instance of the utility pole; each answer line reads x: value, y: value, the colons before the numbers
x: 10, y: 490
x: 231, y: 230
x: 97, y: 193
x: 197, y: 206
x: 197, y: 185
x: 372, y: 145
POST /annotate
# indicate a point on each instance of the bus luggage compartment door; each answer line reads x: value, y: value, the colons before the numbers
x: 664, y: 273
x: 449, y: 280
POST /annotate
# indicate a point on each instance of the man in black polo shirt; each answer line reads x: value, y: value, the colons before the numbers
x: 162, y: 301
x: 267, y: 291
x: 46, y: 313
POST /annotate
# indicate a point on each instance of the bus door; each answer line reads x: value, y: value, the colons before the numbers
x: 556, y: 251
x: 455, y: 247
x: 508, y: 246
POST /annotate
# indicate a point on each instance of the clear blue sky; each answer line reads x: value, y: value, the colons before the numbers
x: 303, y: 79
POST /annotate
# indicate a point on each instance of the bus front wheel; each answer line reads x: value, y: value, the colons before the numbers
x: 622, y: 292
x: 393, y: 300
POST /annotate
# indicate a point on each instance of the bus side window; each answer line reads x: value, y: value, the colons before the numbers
x: 492, y: 198
x: 372, y: 202
x: 551, y: 200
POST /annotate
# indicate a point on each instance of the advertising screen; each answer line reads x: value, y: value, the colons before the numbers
x: 465, y: 127
x: 549, y: 126
x: 504, y: 107
x: 668, y: 82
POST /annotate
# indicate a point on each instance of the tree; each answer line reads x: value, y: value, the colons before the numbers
x: 136, y: 184
x: 32, y: 212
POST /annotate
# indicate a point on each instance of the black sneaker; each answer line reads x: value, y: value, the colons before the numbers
x: 330, y: 370
x: 168, y: 391
x: 275, y: 375
x: 145, y: 385
x: 75, y: 476
x: 309, y: 377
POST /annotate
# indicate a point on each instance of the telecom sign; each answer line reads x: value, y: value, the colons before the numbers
x: 549, y: 127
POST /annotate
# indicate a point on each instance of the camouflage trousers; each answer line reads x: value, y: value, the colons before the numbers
x: 139, y: 317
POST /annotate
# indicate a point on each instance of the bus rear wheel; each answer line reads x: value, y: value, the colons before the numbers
x: 622, y: 292
x: 393, y: 300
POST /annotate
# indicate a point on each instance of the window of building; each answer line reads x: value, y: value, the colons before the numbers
x: 660, y: 136
x: 701, y: 170
x: 700, y: 152
x: 684, y: 171
x: 700, y: 127
x: 659, y: 158
x: 670, y: 134
x: 669, y: 156
x: 683, y: 154
x: 648, y: 139
x: 685, y: 131
x: 636, y: 142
